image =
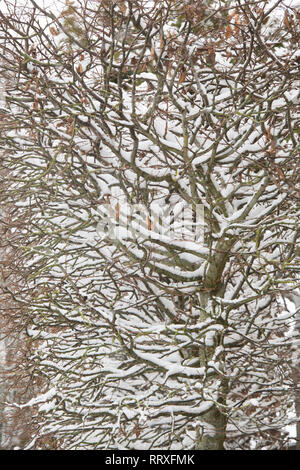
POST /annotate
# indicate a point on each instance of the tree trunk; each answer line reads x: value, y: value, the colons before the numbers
x: 217, y: 422
x: 214, y: 434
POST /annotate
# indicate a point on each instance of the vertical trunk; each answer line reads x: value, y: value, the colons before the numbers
x: 214, y: 434
x: 216, y: 421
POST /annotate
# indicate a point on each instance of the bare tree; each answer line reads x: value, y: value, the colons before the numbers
x: 17, y: 384
x: 150, y: 336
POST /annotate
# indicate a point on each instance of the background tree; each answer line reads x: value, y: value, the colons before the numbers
x: 17, y: 383
x: 149, y: 340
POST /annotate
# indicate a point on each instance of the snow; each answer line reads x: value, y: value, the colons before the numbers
x: 136, y: 327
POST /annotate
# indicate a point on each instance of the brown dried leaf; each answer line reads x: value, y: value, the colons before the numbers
x: 150, y: 86
x: 70, y: 128
x: 117, y: 208
x: 137, y: 430
x: 182, y: 76
x: 123, y: 8
x: 229, y: 32
x: 123, y: 431
x: 237, y: 22
x: 286, y: 20
x: 231, y: 15
x: 279, y: 173
x: 35, y: 104
x: 53, y: 31
x: 79, y: 69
